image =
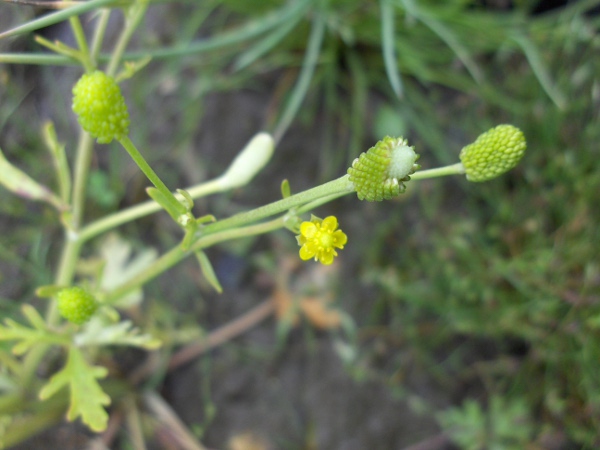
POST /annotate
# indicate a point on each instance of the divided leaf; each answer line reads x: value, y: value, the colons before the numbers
x: 98, y: 332
x: 29, y: 337
x: 87, y: 397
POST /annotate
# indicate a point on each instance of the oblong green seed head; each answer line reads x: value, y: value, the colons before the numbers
x: 493, y: 153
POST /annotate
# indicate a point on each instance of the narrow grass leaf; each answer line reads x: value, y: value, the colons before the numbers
x: 248, y: 31
x: 266, y: 44
x: 540, y: 70
x: 55, y: 17
x: 389, y: 48
x: 311, y: 57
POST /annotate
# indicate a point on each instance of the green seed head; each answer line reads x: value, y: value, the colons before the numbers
x: 100, y: 107
x: 494, y: 152
x: 76, y: 305
x: 380, y: 173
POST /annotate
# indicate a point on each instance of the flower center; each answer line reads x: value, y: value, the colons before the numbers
x: 325, y: 239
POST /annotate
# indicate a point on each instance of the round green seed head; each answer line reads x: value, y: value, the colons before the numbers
x: 379, y: 173
x: 76, y: 305
x: 494, y: 152
x: 100, y: 107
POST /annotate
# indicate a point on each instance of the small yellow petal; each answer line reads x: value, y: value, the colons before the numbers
x: 339, y: 239
x: 326, y: 257
x: 307, y: 252
x: 329, y: 224
x: 308, y: 229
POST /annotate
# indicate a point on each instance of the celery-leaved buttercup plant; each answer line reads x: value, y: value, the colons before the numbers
x: 84, y: 316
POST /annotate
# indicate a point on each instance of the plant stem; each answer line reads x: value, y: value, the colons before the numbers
x: 70, y: 251
x: 135, y: 14
x: 453, y: 169
x: 99, y: 32
x: 233, y: 227
x: 84, y: 51
x: 177, y: 254
x: 143, y: 209
x: 338, y: 186
x: 72, y: 246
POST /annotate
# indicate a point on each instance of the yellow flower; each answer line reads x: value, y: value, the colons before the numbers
x: 319, y: 238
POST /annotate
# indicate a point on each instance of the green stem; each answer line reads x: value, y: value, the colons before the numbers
x: 173, y: 204
x: 233, y: 227
x: 454, y: 169
x: 162, y: 264
x: 99, y: 32
x: 175, y: 255
x: 84, y: 51
x: 72, y: 246
x: 134, y: 16
x: 141, y: 210
x: 340, y: 185
x: 70, y: 250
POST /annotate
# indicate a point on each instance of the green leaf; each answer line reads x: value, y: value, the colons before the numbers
x: 87, y: 397
x: 57, y: 150
x: 21, y: 184
x: 29, y: 337
x: 48, y: 290
x: 132, y: 67
x: 389, y: 49
x: 99, y: 332
x: 286, y: 190
x: 187, y: 200
x: 120, y: 267
x: 208, y: 271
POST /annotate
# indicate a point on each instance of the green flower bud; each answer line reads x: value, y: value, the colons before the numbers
x: 380, y: 172
x: 100, y: 107
x: 76, y: 305
x: 494, y: 152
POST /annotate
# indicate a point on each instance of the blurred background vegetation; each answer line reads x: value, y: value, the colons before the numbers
x: 477, y: 306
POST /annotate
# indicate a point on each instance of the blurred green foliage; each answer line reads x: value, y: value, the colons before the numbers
x: 511, y: 267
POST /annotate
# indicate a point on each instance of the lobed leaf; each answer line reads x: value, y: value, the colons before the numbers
x: 87, y: 397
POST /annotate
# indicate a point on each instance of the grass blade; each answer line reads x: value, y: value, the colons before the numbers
x: 55, y: 17
x: 313, y: 50
x: 389, y: 48
x: 266, y: 44
x: 540, y: 70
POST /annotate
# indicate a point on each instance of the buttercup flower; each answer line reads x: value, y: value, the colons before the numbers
x: 494, y: 152
x: 100, y: 107
x: 76, y: 304
x: 319, y: 238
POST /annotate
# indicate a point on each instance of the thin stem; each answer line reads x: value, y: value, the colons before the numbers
x: 72, y: 246
x: 99, y: 32
x: 141, y: 210
x: 84, y: 51
x: 135, y: 14
x: 340, y: 185
x: 70, y: 250
x: 454, y: 169
x: 82, y: 167
x: 137, y: 157
x: 233, y: 227
x: 175, y: 255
